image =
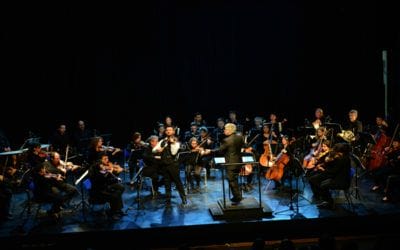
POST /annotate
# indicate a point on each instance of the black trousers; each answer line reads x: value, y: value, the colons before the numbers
x: 171, y: 173
x: 232, y: 173
x: 112, y: 194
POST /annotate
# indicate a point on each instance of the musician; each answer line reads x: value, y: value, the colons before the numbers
x: 193, y: 132
x: 275, y: 126
x: 353, y: 124
x: 317, y: 164
x: 232, y: 118
x: 35, y: 155
x: 97, y: 149
x: 60, y: 139
x: 46, y: 189
x: 107, y: 187
x: 81, y: 138
x: 152, y: 163
x: 194, y: 164
x: 218, y: 132
x: 169, y: 147
x: 392, y: 167
x: 284, y: 148
x: 231, y: 147
x: 56, y: 166
x: 206, y: 142
x: 160, y: 131
x: 267, y: 136
x: 336, y: 175
x: 319, y: 118
x: 135, y: 148
x: 169, y: 122
x: 198, y: 120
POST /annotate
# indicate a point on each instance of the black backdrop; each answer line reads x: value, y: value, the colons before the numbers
x: 122, y: 68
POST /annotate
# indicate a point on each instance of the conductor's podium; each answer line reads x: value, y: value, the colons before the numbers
x: 248, y: 208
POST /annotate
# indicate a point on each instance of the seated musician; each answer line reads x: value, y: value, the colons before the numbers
x: 194, y: 165
x: 285, y: 153
x: 335, y: 174
x: 135, y: 148
x: 46, y: 189
x: 316, y: 147
x: 57, y: 167
x: 152, y: 161
x: 35, y: 156
x: 97, y: 150
x: 106, y: 187
x: 392, y: 167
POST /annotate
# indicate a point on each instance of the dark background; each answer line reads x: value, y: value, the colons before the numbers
x: 123, y: 68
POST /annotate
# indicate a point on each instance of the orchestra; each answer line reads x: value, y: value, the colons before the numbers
x: 270, y: 143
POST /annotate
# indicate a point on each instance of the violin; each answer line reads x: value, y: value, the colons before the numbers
x: 110, y: 149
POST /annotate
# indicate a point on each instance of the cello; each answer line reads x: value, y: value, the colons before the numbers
x: 276, y: 171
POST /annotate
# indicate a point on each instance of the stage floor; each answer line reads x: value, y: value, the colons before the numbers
x: 291, y: 214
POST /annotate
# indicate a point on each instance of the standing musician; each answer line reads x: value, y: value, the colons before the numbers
x: 106, y: 187
x: 231, y: 147
x: 168, y: 148
x: 135, y: 148
x: 335, y: 175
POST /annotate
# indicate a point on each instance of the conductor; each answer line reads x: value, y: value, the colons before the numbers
x: 231, y: 147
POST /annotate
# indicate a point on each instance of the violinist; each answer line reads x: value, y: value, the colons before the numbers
x: 8, y: 183
x: 392, y: 167
x: 135, y: 148
x: 194, y: 164
x: 56, y: 168
x: 206, y: 142
x: 35, y: 155
x: 107, y: 187
x: 152, y: 164
x: 335, y: 175
x: 97, y: 149
x: 47, y: 189
x: 168, y: 149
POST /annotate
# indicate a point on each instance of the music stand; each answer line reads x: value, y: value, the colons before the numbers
x: 138, y: 180
x: 185, y: 157
x: 135, y: 154
x: 83, y: 202
x: 295, y: 170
